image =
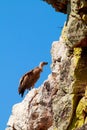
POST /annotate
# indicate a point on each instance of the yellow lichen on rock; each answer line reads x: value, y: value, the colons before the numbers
x: 72, y: 124
x: 81, y: 112
x: 79, y: 116
x: 84, y: 17
x: 77, y: 55
x: 79, y: 89
x: 55, y: 129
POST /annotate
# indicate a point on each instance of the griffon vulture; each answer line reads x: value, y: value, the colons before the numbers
x: 29, y: 79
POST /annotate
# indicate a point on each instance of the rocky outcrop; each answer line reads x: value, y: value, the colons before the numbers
x: 70, y: 67
x: 35, y: 111
x: 75, y: 30
x: 61, y: 101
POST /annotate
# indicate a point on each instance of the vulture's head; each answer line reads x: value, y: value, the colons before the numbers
x: 42, y: 64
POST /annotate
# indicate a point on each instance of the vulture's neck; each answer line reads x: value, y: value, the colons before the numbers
x: 41, y: 67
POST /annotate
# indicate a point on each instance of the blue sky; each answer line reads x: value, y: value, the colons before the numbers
x: 27, y: 30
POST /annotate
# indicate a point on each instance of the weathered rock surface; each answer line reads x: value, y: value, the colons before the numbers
x: 35, y: 111
x: 70, y: 68
x: 84, y: 127
x: 75, y: 30
x: 61, y: 101
x: 76, y: 25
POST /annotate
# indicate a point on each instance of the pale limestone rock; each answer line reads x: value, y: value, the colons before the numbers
x: 35, y: 111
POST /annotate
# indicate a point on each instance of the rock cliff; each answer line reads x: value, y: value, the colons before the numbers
x: 60, y: 103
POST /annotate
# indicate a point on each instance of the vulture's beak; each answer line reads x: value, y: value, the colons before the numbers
x: 45, y: 63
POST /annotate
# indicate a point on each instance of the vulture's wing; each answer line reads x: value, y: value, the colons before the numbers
x: 28, y: 73
x: 22, y: 85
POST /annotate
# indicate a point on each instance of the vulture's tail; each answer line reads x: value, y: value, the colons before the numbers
x: 21, y: 91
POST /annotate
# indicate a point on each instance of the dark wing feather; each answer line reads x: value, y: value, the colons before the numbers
x: 23, y: 82
x: 28, y: 73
